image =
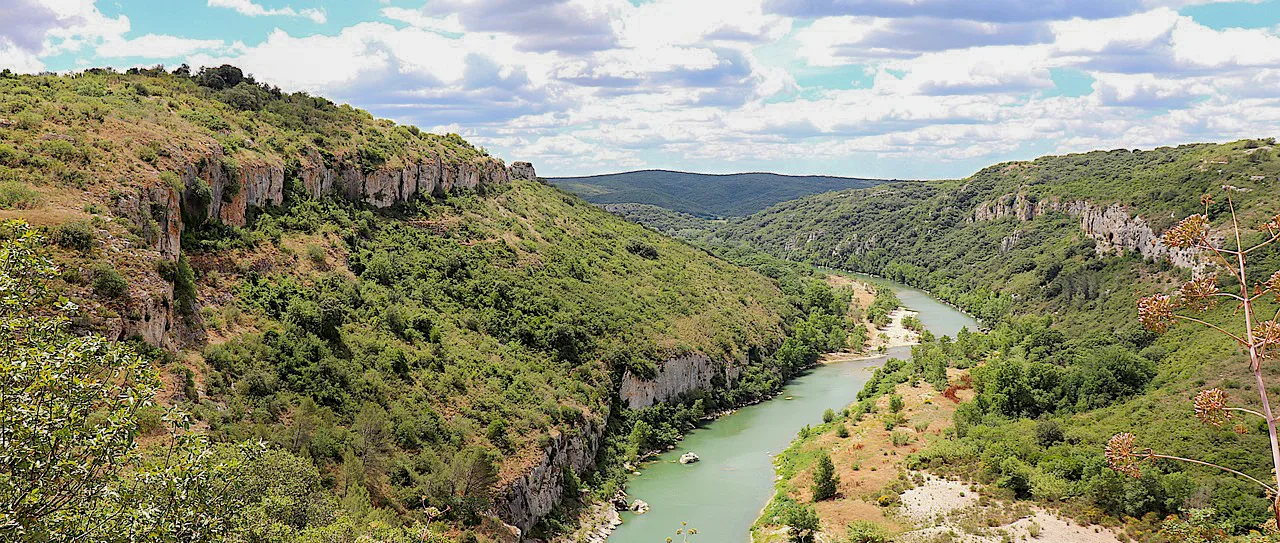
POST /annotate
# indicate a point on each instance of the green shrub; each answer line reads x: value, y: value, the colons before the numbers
x: 863, y: 531
x: 803, y: 521
x: 28, y: 120
x: 172, y: 179
x: 316, y: 255
x: 18, y: 195
x: 642, y: 249
x: 9, y: 156
x: 828, y: 415
x: 108, y: 283
x: 74, y: 235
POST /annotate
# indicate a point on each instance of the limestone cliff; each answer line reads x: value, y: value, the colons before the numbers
x: 215, y: 188
x: 530, y: 497
x: 676, y: 376
x: 1113, y: 227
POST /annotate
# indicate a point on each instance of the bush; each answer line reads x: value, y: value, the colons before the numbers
x: 895, y: 403
x: 642, y: 249
x: 172, y: 179
x: 108, y: 283
x: 803, y: 521
x: 842, y: 431
x: 16, y: 195
x: 1048, y: 433
x: 28, y: 120
x: 828, y: 416
x: 74, y: 235
x: 863, y: 531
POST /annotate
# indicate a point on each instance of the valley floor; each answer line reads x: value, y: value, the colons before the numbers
x: 913, y: 506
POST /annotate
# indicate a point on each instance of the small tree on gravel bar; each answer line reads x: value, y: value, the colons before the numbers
x: 1259, y: 338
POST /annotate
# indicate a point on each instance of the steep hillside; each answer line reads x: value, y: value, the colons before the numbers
x: 438, y: 335
x: 704, y: 195
x: 1053, y: 254
x: 1018, y: 234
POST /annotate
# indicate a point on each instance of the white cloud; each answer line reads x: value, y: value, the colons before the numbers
x: 583, y: 86
x: 249, y: 8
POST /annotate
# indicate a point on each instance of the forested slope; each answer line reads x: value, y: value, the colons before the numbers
x: 416, y: 332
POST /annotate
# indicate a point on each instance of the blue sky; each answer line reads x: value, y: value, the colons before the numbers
x: 887, y: 88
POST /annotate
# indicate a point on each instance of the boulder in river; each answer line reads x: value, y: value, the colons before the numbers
x: 639, y: 507
x: 689, y: 458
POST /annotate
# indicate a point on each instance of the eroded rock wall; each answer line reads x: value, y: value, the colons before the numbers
x: 530, y: 497
x: 676, y: 376
x: 1113, y: 227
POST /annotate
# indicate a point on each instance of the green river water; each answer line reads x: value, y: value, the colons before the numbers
x: 723, y: 494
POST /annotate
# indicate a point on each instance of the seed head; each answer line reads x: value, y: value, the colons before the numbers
x: 1211, y: 407
x: 1273, y: 284
x: 1199, y: 294
x: 1206, y: 200
x: 1155, y: 312
x: 1267, y: 333
x: 1187, y: 233
x: 1123, y: 455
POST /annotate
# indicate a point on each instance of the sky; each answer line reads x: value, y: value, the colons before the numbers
x: 890, y: 88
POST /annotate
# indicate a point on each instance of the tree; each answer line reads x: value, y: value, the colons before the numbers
x: 825, y: 479
x: 68, y: 406
x: 1259, y: 338
x: 70, y: 467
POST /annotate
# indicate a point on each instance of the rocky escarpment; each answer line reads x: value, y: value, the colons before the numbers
x: 216, y: 188
x: 676, y: 376
x: 225, y: 190
x: 530, y: 497
x: 155, y: 215
x: 1113, y: 227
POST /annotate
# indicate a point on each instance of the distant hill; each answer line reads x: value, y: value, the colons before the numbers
x: 704, y: 195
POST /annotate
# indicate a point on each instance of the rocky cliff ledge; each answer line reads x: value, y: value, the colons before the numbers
x: 676, y: 376
x: 530, y: 497
x: 218, y: 189
x: 1113, y: 227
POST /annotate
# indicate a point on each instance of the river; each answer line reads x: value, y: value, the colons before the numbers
x: 723, y: 494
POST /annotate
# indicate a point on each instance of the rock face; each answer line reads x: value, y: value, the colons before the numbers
x: 234, y: 189
x: 1112, y: 227
x: 157, y: 215
x: 527, y: 499
x: 522, y: 170
x: 676, y: 376
x: 217, y: 188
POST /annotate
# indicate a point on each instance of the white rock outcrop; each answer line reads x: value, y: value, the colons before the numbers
x: 676, y: 376
x: 1113, y: 227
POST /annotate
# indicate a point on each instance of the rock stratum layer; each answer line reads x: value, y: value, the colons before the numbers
x: 676, y: 376
x: 1113, y: 227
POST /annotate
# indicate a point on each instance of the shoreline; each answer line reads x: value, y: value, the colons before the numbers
x: 601, y: 518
